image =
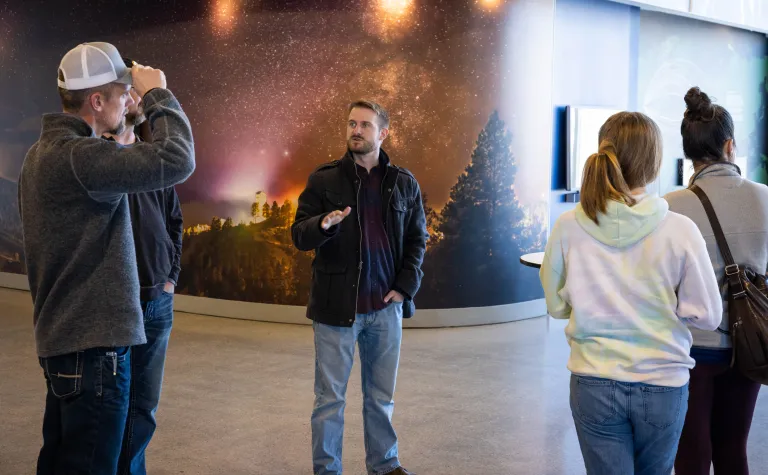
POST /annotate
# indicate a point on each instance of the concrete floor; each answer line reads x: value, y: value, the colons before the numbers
x: 482, y: 401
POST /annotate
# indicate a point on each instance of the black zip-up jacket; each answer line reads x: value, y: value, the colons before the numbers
x: 158, y: 229
x: 337, y: 264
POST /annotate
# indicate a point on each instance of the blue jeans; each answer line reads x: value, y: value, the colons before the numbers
x: 147, y: 364
x: 627, y: 428
x: 378, y: 336
x: 85, y: 411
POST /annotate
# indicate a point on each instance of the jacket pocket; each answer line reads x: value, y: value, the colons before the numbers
x: 328, y: 284
x: 335, y: 200
x: 400, y: 205
x: 64, y: 374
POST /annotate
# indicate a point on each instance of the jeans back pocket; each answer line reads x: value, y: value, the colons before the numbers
x: 593, y: 400
x: 64, y: 374
x: 662, y: 405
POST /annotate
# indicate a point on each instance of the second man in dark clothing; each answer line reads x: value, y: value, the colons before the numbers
x: 364, y: 217
x: 157, y: 233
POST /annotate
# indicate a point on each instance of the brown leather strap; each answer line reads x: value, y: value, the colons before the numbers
x: 731, y: 268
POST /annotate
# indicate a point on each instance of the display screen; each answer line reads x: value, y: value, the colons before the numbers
x: 583, y: 128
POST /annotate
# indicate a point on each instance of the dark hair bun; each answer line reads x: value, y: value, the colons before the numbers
x: 699, y: 105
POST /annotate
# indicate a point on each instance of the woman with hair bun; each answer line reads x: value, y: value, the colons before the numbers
x: 722, y: 400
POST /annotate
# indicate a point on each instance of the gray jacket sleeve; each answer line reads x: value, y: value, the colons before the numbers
x: 107, y: 169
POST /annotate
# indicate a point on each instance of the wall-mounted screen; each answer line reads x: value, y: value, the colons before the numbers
x: 583, y: 127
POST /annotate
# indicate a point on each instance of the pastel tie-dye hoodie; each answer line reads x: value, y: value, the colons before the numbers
x: 629, y: 286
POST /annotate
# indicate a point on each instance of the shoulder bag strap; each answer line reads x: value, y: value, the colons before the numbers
x: 731, y: 268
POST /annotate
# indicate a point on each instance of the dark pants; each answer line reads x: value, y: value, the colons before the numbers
x: 85, y: 411
x: 720, y: 408
x: 147, y: 364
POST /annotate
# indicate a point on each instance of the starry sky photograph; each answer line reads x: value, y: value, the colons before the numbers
x: 266, y: 83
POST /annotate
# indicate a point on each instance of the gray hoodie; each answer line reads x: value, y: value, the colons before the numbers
x: 77, y: 229
x: 742, y: 209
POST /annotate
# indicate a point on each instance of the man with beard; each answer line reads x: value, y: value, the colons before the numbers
x: 79, y: 248
x: 366, y: 272
x: 158, y: 228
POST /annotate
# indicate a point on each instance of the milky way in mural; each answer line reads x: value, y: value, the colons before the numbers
x: 266, y: 85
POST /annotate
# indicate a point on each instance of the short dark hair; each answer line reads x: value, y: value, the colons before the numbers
x: 72, y: 101
x: 381, y: 113
x: 706, y: 127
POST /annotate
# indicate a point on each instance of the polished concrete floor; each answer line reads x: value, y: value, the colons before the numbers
x: 482, y: 401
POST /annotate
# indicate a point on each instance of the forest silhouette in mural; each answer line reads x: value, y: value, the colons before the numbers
x: 472, y: 259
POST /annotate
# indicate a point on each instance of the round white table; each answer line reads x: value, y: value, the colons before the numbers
x: 532, y: 260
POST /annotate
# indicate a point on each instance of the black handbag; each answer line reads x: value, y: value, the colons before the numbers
x: 747, y: 306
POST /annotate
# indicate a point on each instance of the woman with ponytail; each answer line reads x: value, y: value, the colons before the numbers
x: 629, y: 275
x: 722, y: 400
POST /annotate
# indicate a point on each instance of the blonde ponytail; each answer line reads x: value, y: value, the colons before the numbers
x: 629, y: 157
x: 603, y: 180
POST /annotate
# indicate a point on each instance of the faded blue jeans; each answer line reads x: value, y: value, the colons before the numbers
x: 627, y: 428
x: 378, y: 336
x: 147, y: 365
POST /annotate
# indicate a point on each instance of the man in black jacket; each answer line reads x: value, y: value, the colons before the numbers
x: 158, y: 228
x: 364, y: 218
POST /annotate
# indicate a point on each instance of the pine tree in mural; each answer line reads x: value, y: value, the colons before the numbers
x: 484, y: 230
x: 216, y: 224
x: 433, y: 221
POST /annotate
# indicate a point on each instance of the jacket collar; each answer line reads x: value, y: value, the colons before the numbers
x: 348, y: 163
x: 60, y: 123
x: 717, y: 169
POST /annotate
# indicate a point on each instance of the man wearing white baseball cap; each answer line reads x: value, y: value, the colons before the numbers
x: 79, y: 248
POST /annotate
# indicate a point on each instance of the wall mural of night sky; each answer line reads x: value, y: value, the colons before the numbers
x: 265, y: 84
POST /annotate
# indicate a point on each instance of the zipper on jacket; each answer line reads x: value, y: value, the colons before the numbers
x: 360, y: 243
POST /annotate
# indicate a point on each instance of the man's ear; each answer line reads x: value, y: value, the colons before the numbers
x: 96, y: 100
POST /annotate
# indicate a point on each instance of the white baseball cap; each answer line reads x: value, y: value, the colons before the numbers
x: 91, y: 65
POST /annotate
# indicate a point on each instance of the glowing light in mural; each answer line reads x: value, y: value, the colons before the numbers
x: 490, y: 5
x: 391, y: 18
x: 225, y: 15
x: 395, y: 8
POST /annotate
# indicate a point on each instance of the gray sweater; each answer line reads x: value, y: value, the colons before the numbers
x: 742, y: 209
x: 76, y: 224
